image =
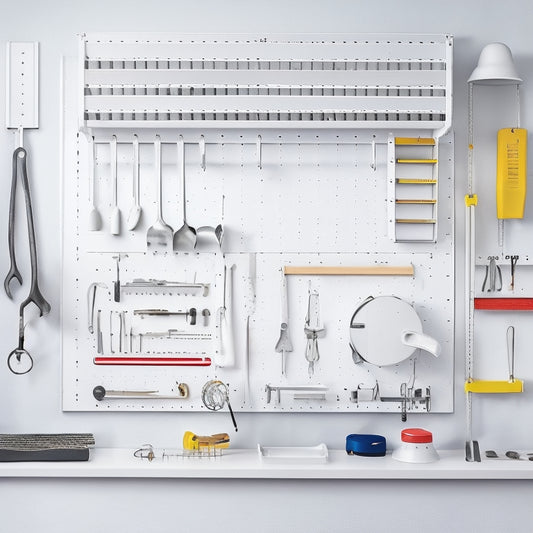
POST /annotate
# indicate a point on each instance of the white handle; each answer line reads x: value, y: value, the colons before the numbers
x: 284, y: 299
x: 422, y: 341
x: 226, y: 341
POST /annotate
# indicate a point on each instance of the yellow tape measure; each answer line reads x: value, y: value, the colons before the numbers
x: 511, y: 173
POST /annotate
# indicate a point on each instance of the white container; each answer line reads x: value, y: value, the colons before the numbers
x: 417, y: 447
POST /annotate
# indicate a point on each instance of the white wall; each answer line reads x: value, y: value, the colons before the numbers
x: 32, y: 403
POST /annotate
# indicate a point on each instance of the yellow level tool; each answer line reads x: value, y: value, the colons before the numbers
x: 511, y: 173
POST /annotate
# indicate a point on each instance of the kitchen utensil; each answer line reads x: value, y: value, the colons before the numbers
x: 284, y: 343
x: 94, y: 222
x: 159, y: 235
x: 312, y: 330
x: 226, y: 352
x: 99, y: 336
x: 417, y: 447
x: 510, y: 352
x: 115, y: 211
x: 91, y: 299
x: 386, y: 330
x: 15, y: 361
x: 116, y: 283
x: 215, y: 395
x: 209, y: 238
x: 134, y: 215
x: 185, y: 237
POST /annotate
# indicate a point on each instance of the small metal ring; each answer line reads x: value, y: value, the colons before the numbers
x: 18, y: 352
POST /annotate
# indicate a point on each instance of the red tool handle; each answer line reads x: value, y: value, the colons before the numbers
x: 504, y: 304
x: 153, y: 361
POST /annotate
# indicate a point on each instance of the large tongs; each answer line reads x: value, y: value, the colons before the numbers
x: 34, y: 296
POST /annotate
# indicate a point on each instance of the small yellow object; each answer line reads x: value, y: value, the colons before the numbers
x: 494, y: 387
x: 511, y: 173
x: 416, y: 181
x: 470, y: 200
x: 415, y: 141
x: 192, y: 441
x: 418, y: 161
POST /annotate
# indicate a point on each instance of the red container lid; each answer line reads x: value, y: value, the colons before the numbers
x: 416, y: 435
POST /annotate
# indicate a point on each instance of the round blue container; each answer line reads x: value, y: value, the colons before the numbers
x: 366, y: 445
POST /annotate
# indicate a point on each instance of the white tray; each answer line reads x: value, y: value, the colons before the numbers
x: 294, y: 454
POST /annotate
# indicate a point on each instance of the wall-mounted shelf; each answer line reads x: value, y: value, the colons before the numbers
x: 246, y: 464
x: 494, y: 386
x: 336, y: 81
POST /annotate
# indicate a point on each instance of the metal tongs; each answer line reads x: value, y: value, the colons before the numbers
x: 313, y: 330
x: 15, y: 360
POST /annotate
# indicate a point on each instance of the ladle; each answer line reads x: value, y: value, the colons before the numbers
x: 185, y: 237
x: 135, y: 213
x: 94, y: 222
x: 115, y: 212
x: 160, y: 234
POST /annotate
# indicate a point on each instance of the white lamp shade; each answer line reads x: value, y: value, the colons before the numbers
x: 495, y: 66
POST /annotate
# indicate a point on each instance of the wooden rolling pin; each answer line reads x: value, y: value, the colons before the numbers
x: 385, y: 270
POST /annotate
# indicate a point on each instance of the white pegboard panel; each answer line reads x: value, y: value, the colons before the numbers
x: 283, y: 196
x: 300, y: 179
x: 339, y: 297
x: 309, y: 204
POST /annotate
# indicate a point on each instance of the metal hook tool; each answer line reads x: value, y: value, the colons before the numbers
x: 34, y: 296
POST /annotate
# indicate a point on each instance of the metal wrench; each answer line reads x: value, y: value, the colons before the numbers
x: 34, y: 296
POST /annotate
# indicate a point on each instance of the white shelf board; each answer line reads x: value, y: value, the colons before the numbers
x: 246, y: 464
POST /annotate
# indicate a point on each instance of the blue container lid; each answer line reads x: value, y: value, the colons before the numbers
x: 366, y: 445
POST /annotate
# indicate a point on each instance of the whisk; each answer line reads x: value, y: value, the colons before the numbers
x: 215, y: 395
